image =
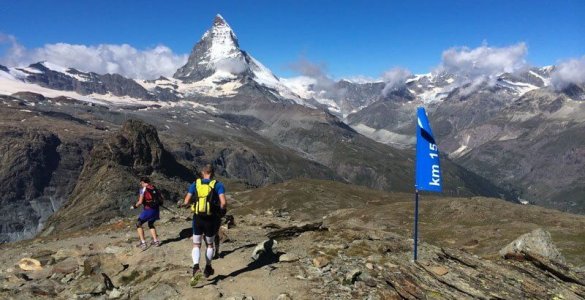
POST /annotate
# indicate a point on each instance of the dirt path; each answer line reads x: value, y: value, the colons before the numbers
x: 165, y: 271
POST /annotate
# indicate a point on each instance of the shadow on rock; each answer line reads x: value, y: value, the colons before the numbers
x: 223, y: 254
x: 262, y: 261
x: 183, y: 234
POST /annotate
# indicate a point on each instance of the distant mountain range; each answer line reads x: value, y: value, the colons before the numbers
x: 225, y: 107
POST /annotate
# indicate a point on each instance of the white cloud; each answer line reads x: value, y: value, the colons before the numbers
x: 318, y: 72
x: 231, y: 65
x: 568, y: 72
x: 361, y: 79
x: 473, y: 67
x: 394, y: 78
x: 315, y: 71
x: 105, y: 58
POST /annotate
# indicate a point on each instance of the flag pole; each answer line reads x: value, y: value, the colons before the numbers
x: 415, y: 223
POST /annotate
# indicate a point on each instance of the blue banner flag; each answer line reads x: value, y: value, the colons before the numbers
x: 428, y: 169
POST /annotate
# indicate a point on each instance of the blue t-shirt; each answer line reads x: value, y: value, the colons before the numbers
x: 219, y: 188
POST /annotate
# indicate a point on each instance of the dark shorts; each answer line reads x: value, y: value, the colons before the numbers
x: 140, y: 222
x: 205, y: 225
x: 149, y: 215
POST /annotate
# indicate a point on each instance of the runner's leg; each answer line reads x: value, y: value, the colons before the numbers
x: 140, y: 230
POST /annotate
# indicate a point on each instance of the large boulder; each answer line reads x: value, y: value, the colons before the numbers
x: 536, y: 242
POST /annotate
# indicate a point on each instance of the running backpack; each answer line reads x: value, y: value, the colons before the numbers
x: 206, y: 202
x: 152, y: 197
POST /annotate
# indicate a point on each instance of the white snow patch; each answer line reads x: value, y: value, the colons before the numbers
x: 80, y: 77
x: 459, y: 152
x: 300, y: 85
x: 223, y: 44
x: 362, y: 80
x: 545, y: 80
x: 220, y: 84
x: 54, y: 67
x: 434, y: 94
x: 265, y: 77
x: 385, y: 136
x: 520, y: 88
x: 19, y: 74
x: 417, y: 77
x: 30, y: 70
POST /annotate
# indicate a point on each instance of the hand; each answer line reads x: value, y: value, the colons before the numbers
x: 132, y: 207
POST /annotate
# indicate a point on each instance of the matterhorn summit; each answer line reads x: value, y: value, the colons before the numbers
x: 218, y: 64
x: 217, y: 51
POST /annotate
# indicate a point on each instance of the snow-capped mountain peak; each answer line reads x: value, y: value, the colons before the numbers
x: 224, y: 42
x: 218, y: 50
x: 218, y: 64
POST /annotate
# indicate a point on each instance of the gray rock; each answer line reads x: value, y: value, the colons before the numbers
x: 160, y: 291
x: 90, y: 285
x: 66, y: 266
x: 45, y: 257
x: 284, y: 296
x: 115, y: 294
x: 68, y: 278
x: 264, y: 249
x: 352, y: 276
x: 538, y: 242
x: 287, y: 257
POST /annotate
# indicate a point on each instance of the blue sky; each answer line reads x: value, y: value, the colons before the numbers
x: 350, y: 37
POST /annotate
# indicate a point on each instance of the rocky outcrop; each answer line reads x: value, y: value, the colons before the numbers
x: 108, y: 184
x: 37, y: 174
x: 536, y: 242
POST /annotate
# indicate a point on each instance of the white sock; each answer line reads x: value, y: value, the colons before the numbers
x: 195, y: 254
x: 208, y: 256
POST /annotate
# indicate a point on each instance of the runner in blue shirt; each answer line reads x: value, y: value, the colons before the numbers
x: 206, y: 218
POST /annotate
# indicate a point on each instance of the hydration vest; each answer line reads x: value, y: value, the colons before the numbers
x: 207, y: 200
x: 152, y: 197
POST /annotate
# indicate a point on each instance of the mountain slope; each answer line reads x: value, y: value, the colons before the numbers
x: 517, y: 131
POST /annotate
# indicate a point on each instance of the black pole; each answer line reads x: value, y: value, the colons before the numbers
x: 415, y: 224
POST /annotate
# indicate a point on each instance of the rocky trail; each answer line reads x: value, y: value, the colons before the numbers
x: 309, y: 260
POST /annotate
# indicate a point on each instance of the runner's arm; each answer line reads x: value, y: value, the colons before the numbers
x: 222, y: 201
x: 190, y: 193
x: 140, y: 199
x: 187, y: 199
